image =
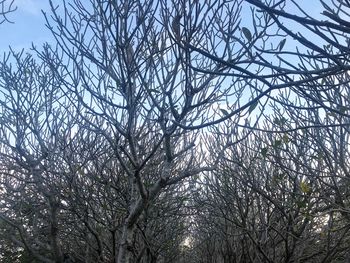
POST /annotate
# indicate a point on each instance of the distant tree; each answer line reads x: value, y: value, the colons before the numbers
x: 30, y: 125
x: 276, y: 198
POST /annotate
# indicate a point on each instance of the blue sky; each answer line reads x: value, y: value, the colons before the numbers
x: 29, y: 23
x: 28, y: 26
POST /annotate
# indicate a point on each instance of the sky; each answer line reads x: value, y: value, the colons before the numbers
x: 29, y: 24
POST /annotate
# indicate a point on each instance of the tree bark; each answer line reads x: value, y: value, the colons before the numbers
x: 56, y: 247
x: 125, y: 248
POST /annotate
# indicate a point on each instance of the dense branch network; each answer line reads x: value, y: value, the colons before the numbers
x: 177, y: 131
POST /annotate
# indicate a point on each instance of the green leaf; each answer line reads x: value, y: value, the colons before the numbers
x: 247, y: 33
x: 283, y: 121
x: 253, y: 106
x: 276, y: 121
x: 264, y: 151
x: 80, y: 171
x: 281, y: 44
x: 332, y: 114
x: 305, y: 187
x: 277, y: 143
x: 319, y: 156
x: 285, y: 138
x: 342, y: 109
x: 224, y: 112
x: 301, y: 204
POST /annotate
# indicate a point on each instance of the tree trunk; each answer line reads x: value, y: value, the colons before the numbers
x: 125, y: 249
x: 56, y: 247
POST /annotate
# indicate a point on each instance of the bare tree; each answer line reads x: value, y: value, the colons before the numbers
x: 105, y: 137
x: 30, y: 124
x: 6, y: 7
x: 138, y: 83
x: 276, y: 197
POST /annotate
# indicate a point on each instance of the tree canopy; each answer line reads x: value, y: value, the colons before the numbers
x: 178, y: 131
